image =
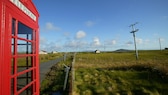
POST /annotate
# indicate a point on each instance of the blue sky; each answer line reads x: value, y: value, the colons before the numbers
x: 79, y: 25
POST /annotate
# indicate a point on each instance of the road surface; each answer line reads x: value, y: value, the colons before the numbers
x: 45, y: 67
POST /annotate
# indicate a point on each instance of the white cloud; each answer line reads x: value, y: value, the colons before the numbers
x: 43, y: 43
x: 42, y: 40
x: 53, y: 47
x: 164, y: 17
x: 111, y: 42
x: 75, y: 44
x: 80, y: 34
x: 139, y: 41
x: 96, y: 41
x: 66, y: 34
x: 162, y: 40
x: 89, y: 23
x: 71, y: 44
x: 147, y: 41
x: 49, y: 46
x: 51, y: 27
x: 129, y: 42
x: 155, y: 34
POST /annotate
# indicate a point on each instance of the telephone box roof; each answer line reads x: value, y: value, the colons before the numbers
x: 30, y: 5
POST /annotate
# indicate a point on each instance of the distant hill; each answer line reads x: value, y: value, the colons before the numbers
x: 122, y: 50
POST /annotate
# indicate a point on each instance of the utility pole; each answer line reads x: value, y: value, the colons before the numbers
x: 160, y: 44
x: 133, y: 32
x: 104, y: 48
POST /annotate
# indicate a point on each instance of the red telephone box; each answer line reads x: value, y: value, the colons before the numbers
x: 19, y: 43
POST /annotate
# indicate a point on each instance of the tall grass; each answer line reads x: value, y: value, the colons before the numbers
x: 154, y: 59
x: 120, y: 73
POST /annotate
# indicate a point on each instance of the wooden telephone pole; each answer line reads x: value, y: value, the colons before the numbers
x: 133, y: 31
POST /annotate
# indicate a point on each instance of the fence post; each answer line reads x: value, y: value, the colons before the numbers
x: 66, y: 76
x: 65, y: 57
x: 73, y: 72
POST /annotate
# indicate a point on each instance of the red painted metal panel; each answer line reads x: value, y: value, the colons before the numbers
x: 5, y: 80
x: 13, y: 18
x: 1, y: 12
x: 37, y: 84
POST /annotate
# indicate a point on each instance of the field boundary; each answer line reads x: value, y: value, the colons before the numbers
x: 73, y: 74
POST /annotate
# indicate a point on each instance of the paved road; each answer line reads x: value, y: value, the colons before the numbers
x: 45, y: 67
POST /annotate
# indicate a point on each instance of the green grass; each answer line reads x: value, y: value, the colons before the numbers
x: 154, y: 59
x: 54, y: 80
x: 121, y: 73
x: 24, y: 61
x: 110, y: 82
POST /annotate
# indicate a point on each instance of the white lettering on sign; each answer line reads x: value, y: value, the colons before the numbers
x: 24, y: 9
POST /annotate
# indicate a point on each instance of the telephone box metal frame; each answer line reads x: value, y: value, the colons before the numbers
x: 19, y: 48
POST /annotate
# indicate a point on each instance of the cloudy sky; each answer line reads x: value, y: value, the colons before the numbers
x: 79, y: 25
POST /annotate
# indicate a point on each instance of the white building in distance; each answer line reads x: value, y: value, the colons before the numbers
x: 97, y: 51
x: 43, y: 52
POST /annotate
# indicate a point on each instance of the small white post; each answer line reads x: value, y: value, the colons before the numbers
x: 160, y: 44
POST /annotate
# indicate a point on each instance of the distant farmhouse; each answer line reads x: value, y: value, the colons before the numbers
x: 43, y: 52
x: 54, y: 52
x: 97, y: 51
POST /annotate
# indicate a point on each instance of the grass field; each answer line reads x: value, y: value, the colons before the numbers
x: 121, y: 74
x: 48, y: 57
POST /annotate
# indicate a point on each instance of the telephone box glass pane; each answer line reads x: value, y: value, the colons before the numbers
x: 24, y: 31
